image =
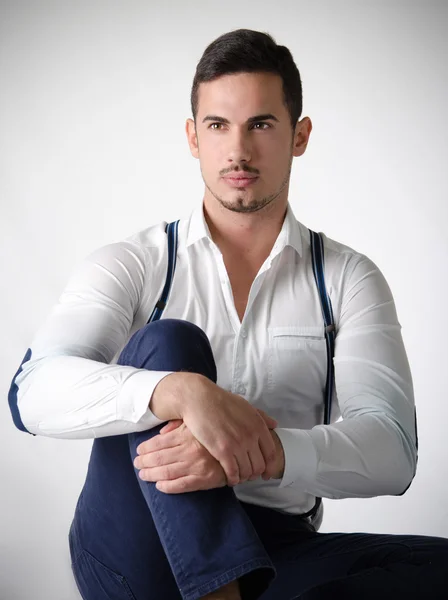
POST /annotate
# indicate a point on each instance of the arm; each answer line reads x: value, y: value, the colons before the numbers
x: 373, y: 451
x: 217, y: 424
x: 67, y: 389
x: 178, y: 463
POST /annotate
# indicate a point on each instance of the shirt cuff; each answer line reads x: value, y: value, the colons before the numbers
x: 300, y: 456
x: 135, y: 395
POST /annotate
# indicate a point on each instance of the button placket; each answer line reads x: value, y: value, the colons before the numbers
x: 226, y: 288
x: 239, y: 369
x: 238, y: 385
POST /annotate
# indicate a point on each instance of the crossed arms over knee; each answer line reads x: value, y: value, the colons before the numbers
x: 214, y: 438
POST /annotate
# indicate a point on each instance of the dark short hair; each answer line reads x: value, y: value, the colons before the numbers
x: 247, y: 51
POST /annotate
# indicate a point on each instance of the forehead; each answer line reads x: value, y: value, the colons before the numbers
x: 248, y: 92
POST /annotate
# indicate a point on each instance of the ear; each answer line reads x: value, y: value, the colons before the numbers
x: 192, y: 137
x: 301, y: 136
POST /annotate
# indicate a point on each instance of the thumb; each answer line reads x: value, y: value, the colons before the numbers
x: 270, y: 422
x: 171, y: 426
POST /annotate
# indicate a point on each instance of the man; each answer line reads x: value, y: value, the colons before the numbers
x: 210, y: 446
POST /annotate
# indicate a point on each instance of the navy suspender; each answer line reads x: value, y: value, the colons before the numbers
x: 317, y: 256
x: 171, y: 230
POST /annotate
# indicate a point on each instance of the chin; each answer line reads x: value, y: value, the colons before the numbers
x: 244, y: 205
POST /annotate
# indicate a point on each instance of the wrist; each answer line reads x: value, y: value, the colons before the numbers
x: 170, y: 396
x: 280, y: 453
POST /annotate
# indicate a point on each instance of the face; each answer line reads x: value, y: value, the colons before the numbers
x: 244, y: 141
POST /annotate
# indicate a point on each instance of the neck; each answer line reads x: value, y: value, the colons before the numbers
x: 245, y: 236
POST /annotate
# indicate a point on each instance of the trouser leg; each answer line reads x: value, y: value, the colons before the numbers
x: 328, y: 566
x: 373, y: 566
x: 205, y: 537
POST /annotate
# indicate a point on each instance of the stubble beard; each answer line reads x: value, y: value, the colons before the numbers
x: 240, y: 203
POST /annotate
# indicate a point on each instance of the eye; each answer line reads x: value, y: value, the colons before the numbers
x: 262, y: 123
x: 211, y: 125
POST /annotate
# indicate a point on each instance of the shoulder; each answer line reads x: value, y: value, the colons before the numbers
x: 349, y: 273
x: 339, y: 257
x: 135, y: 252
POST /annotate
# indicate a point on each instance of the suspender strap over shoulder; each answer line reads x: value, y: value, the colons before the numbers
x: 171, y: 230
x: 317, y: 257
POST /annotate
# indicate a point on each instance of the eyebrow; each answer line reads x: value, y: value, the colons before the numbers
x: 265, y: 117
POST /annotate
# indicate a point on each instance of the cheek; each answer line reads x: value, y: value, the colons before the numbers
x: 272, y: 151
x: 283, y: 161
x: 211, y: 157
x: 276, y: 163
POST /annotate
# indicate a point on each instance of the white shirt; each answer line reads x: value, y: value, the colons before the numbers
x: 275, y: 358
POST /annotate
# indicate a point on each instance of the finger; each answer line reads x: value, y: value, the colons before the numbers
x: 231, y: 469
x: 257, y: 461
x: 270, y: 422
x: 273, y: 468
x: 188, y: 483
x: 270, y: 471
x: 267, y: 447
x: 167, y: 472
x: 159, y: 458
x: 244, y: 466
x: 171, y: 426
x: 167, y: 440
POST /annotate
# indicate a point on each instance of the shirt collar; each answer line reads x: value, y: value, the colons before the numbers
x: 198, y: 227
x: 289, y: 234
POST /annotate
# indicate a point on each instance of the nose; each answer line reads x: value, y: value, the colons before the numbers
x: 239, y: 147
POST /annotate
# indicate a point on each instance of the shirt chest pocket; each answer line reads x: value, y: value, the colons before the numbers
x: 297, y: 368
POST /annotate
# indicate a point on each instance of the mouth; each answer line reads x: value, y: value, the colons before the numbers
x: 240, y: 181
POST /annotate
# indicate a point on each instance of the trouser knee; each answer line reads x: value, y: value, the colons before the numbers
x: 170, y: 345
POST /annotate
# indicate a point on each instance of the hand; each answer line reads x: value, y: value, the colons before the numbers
x: 235, y: 433
x: 178, y: 462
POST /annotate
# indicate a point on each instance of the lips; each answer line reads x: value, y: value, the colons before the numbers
x: 240, y: 180
x: 240, y: 176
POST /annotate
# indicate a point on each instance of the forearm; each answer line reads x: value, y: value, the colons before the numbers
x: 373, y: 450
x: 77, y: 398
x: 65, y: 386
x: 356, y: 458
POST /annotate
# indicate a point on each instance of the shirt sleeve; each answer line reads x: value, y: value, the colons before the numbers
x: 66, y: 387
x: 373, y: 450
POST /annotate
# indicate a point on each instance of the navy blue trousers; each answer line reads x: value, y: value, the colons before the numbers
x: 128, y: 541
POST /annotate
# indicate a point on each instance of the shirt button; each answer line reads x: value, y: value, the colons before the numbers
x: 241, y: 389
x: 243, y: 333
